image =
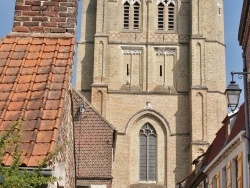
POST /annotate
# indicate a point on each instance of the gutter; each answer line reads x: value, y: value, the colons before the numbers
x: 43, y: 171
x: 238, y: 137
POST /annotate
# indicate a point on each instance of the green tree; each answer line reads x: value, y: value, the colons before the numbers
x: 14, y: 176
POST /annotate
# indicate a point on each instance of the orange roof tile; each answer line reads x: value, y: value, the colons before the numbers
x: 34, y: 73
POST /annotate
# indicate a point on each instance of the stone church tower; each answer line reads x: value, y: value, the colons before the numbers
x: 155, y: 69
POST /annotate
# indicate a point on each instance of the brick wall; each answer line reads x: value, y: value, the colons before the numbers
x: 93, y: 144
x: 66, y: 141
x: 48, y: 16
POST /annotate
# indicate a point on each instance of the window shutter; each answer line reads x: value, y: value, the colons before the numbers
x: 239, y: 178
x: 211, y: 184
x: 143, y: 157
x: 229, y: 175
x: 218, y: 180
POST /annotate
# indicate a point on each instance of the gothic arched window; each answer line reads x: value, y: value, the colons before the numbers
x: 166, y: 15
x: 147, y: 153
x: 131, y: 14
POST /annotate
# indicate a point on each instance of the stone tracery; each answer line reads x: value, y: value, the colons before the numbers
x: 166, y: 2
x: 131, y: 2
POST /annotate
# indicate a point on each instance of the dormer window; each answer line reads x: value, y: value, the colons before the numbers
x: 166, y: 15
x: 131, y: 14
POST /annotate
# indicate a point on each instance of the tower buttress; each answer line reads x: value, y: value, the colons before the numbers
x: 207, y: 60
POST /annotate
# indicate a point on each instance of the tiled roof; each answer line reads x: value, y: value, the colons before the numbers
x: 220, y: 142
x: 34, y: 76
x: 221, y: 139
x: 239, y: 124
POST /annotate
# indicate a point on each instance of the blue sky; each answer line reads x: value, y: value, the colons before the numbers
x: 232, y: 11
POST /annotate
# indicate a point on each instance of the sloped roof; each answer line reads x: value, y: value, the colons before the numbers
x: 34, y: 77
x: 220, y: 142
x: 221, y: 139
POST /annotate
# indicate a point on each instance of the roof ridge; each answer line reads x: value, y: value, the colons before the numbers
x: 41, y: 35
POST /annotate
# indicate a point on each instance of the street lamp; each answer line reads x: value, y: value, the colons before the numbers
x: 233, y: 91
x: 233, y: 95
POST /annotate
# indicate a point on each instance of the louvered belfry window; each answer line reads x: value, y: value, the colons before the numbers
x: 136, y: 15
x: 160, y: 16
x: 166, y: 15
x: 171, y: 16
x: 126, y: 15
x: 131, y: 15
x: 147, y: 153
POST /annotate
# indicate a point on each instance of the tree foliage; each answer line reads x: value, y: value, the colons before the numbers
x: 14, y: 175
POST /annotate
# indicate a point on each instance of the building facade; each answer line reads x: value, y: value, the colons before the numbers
x: 243, y: 37
x: 224, y: 165
x: 155, y: 70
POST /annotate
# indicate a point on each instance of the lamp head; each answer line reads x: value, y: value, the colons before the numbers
x: 233, y: 95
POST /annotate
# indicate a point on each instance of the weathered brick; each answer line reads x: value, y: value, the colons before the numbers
x: 93, y: 143
x: 37, y: 29
x: 31, y: 23
x: 40, y: 18
x: 31, y: 13
x: 23, y: 7
x: 22, y: 18
x: 57, y: 30
x: 41, y: 13
x: 20, y: 29
x: 49, y: 24
x: 40, y: 8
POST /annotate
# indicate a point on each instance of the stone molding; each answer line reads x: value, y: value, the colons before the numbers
x: 132, y: 50
x: 165, y: 51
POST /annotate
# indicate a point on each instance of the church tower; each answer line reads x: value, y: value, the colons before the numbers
x: 155, y: 69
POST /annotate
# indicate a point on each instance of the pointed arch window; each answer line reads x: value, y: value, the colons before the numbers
x: 166, y: 15
x: 131, y: 14
x: 148, y: 153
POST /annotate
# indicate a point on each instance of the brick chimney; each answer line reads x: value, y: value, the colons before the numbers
x: 47, y: 16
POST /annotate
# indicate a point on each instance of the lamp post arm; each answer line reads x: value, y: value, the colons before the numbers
x: 240, y: 74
